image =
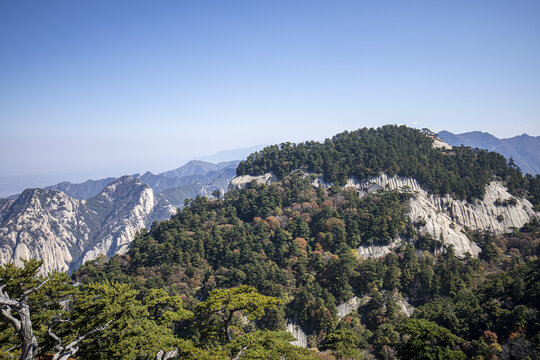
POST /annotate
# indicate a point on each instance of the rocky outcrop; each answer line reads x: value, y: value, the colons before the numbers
x: 446, y: 217
x: 298, y: 333
x: 240, y: 182
x: 376, y: 251
x: 127, y: 203
x: 351, y: 305
x: 45, y: 225
x: 354, y: 303
x: 440, y: 144
x: 443, y: 217
x: 405, y: 307
x: 64, y: 232
x: 101, y: 216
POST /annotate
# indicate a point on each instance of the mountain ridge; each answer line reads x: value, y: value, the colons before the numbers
x: 157, y: 197
x: 96, y: 220
x: 523, y: 149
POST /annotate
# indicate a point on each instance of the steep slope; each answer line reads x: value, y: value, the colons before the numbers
x: 44, y: 224
x: 453, y: 189
x: 524, y: 149
x: 441, y: 217
x: 121, y: 209
x: 64, y: 231
x: 448, y: 218
x: 68, y: 224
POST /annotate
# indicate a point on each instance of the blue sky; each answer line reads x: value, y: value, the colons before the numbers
x: 113, y: 87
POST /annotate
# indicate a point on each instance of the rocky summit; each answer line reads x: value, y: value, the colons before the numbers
x: 64, y: 232
x: 67, y: 224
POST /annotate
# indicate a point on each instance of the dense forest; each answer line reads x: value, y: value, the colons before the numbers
x: 363, y: 154
x: 223, y: 277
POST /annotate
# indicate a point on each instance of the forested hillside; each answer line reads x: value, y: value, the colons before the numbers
x: 224, y: 277
x: 365, y: 153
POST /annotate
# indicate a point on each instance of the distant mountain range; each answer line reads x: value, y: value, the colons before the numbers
x: 67, y: 224
x: 233, y: 154
x: 524, y: 149
x: 12, y: 186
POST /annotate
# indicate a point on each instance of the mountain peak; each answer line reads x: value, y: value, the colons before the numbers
x: 524, y: 149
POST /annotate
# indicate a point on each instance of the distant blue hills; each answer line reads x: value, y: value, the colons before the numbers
x: 524, y: 149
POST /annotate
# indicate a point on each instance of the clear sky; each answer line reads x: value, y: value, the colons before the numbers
x: 115, y: 87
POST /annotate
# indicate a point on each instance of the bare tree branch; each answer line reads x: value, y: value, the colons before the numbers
x: 6, y: 311
x: 33, y: 290
x: 166, y: 355
x: 72, y: 348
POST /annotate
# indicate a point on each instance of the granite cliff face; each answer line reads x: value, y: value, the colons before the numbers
x: 124, y: 207
x: 447, y: 217
x: 63, y: 231
x: 43, y: 224
x: 68, y: 224
x: 240, y: 182
x: 440, y: 216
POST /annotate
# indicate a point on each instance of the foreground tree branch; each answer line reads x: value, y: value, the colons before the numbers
x: 65, y: 352
x: 17, y: 310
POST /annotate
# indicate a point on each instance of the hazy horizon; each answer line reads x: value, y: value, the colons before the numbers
x: 111, y: 88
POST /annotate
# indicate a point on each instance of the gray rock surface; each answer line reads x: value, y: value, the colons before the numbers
x: 64, y: 232
x: 449, y: 217
x: 446, y: 216
x: 240, y: 182
x: 298, y: 333
x: 375, y: 251
x: 351, y: 305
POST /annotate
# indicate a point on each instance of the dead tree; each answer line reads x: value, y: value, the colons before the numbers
x: 65, y: 352
x: 17, y: 312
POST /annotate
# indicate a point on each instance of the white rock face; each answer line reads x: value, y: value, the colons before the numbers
x: 448, y: 217
x: 65, y: 232
x: 240, y: 182
x: 374, y: 251
x: 354, y: 303
x: 441, y: 144
x: 41, y: 224
x: 405, y: 307
x: 349, y: 306
x: 298, y: 333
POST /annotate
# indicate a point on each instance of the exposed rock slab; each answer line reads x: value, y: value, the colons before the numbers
x: 447, y: 217
x: 375, y: 251
x: 298, y: 333
x: 405, y: 307
x: 64, y: 232
x: 348, y: 307
x: 240, y: 182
